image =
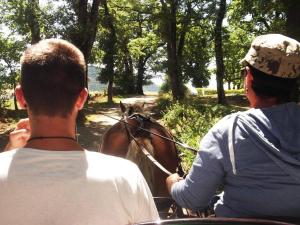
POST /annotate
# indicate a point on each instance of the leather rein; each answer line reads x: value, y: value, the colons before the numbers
x: 184, y: 145
x: 140, y: 119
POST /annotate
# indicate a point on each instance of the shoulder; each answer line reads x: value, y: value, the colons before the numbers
x: 216, y: 139
x: 8, y: 155
x: 5, y: 161
x: 111, y: 164
x: 222, y: 126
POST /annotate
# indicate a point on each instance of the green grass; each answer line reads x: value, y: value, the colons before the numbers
x: 208, y: 91
x: 9, y: 104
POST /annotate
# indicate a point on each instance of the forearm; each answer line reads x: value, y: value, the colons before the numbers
x: 197, y: 189
x: 189, y: 194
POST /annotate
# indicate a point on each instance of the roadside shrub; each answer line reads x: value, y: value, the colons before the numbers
x: 235, y: 92
x: 190, y: 122
x: 208, y: 91
x: 164, y: 88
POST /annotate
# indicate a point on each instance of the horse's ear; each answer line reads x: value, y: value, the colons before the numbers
x: 143, y: 105
x: 123, y: 108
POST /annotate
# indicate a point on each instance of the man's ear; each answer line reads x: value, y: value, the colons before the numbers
x: 248, y: 79
x: 81, y: 99
x: 250, y: 76
x: 20, y: 97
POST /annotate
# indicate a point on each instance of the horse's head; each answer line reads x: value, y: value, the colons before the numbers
x: 145, y: 142
x: 130, y: 109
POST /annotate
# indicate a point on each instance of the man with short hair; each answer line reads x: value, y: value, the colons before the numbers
x: 254, y: 155
x: 47, y: 177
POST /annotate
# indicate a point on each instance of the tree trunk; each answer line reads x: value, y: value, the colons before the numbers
x: 293, y: 18
x: 219, y: 53
x: 140, y: 76
x: 32, y: 20
x: 176, y: 83
x: 170, y: 35
x: 110, y: 90
x: 15, y: 98
x: 109, y: 50
x: 87, y: 20
x: 130, y: 86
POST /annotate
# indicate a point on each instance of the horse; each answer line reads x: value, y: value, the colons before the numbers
x: 135, y: 132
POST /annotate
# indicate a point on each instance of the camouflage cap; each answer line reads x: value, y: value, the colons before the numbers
x: 274, y: 54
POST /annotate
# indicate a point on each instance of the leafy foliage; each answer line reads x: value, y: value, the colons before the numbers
x: 207, y: 91
x: 150, y: 37
x: 197, y: 55
x: 189, y: 122
x: 10, y: 52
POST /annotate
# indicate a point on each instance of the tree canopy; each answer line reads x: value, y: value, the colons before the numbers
x: 132, y: 41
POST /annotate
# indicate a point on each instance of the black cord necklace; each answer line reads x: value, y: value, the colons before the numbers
x: 51, y: 137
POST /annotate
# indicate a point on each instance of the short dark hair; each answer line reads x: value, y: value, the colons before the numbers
x: 266, y: 86
x: 52, y: 76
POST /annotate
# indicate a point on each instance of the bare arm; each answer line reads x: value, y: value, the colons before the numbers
x: 18, y: 138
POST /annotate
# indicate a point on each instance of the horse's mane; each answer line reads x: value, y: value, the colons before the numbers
x: 136, y: 155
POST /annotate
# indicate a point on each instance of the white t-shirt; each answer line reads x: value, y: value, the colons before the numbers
x: 72, y: 187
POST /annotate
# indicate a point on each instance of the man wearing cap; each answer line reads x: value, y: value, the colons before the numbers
x: 254, y: 155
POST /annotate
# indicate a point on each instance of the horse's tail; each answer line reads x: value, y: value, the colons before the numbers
x: 136, y: 155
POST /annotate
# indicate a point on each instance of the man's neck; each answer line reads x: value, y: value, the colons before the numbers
x: 264, y: 102
x: 53, y: 133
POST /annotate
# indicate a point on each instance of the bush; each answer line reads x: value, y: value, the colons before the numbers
x: 235, y: 92
x: 207, y: 91
x: 190, y: 122
x: 165, y: 88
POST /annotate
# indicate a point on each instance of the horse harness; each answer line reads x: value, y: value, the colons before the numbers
x: 141, y: 120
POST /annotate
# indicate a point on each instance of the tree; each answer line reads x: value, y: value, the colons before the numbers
x: 77, y: 21
x: 236, y: 43
x: 134, y: 23
x: 145, y: 44
x: 10, y: 52
x: 258, y: 17
x: 219, y: 52
x: 175, y: 41
x: 31, y: 16
x: 108, y: 44
x: 82, y: 31
x: 28, y: 20
x: 293, y: 19
x: 248, y: 19
x: 197, y: 55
